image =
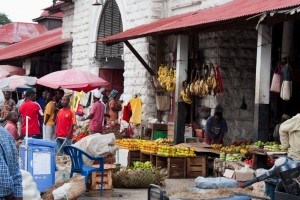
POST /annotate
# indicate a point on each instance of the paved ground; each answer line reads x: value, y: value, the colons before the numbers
x: 137, y: 194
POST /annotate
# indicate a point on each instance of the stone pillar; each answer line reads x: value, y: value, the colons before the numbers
x: 181, y: 75
x: 262, y: 83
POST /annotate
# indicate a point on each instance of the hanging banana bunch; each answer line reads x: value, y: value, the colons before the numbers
x: 186, y: 95
x: 167, y: 77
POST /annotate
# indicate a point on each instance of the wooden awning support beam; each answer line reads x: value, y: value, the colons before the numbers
x: 139, y: 57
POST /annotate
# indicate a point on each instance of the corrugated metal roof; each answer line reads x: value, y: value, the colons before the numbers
x: 47, y: 40
x: 18, y: 31
x: 231, y: 10
x: 46, y: 15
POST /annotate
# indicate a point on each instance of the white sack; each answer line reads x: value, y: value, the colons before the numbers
x: 97, y: 145
x: 30, y: 190
x: 61, y: 192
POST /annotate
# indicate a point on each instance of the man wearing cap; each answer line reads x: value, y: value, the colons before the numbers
x: 284, y: 117
x: 96, y: 114
x: 289, y: 133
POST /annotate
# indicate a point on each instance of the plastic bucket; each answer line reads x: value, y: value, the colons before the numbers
x: 160, y: 134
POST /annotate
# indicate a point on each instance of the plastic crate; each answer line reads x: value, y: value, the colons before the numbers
x: 160, y: 134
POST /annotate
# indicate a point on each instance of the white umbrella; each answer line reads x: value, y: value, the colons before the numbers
x: 13, y: 82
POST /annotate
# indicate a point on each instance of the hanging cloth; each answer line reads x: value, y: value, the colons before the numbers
x: 220, y: 82
x: 126, y: 113
x: 136, y: 107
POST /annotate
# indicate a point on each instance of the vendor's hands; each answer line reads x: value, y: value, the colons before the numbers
x: 82, y: 119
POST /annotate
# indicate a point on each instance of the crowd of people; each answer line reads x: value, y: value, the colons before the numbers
x: 51, y: 117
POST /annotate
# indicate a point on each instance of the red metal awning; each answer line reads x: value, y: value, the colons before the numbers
x: 231, y: 10
x: 18, y: 31
x: 24, y: 48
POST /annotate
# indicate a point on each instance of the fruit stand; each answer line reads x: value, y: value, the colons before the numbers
x: 180, y: 161
x: 257, y: 155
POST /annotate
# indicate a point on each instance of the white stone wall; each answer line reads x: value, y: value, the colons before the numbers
x: 81, y: 21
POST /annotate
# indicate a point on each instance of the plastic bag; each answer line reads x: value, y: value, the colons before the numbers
x: 212, y: 183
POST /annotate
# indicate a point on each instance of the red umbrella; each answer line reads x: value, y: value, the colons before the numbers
x: 72, y: 79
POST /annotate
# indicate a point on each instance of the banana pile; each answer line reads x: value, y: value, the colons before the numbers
x: 167, y: 77
x: 186, y: 95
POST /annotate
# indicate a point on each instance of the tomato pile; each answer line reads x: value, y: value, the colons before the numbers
x: 270, y: 161
x: 80, y: 136
x: 248, y: 161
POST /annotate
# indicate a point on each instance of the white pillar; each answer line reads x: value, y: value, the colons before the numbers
x: 181, y: 75
x: 263, y: 65
x: 181, y: 64
x: 262, y: 82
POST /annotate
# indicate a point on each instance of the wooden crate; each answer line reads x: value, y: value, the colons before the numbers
x: 145, y: 157
x: 161, y: 162
x: 176, y: 167
x: 94, y: 182
x: 196, y: 167
x: 133, y: 155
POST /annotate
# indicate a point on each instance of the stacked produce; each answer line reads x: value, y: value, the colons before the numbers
x: 80, y: 132
x: 149, y: 147
x: 140, y: 176
x: 230, y: 156
x: 130, y: 144
x: 161, y: 141
x: 178, y: 151
x: 269, y: 146
x: 243, y: 149
x: 167, y: 77
x: 141, y: 165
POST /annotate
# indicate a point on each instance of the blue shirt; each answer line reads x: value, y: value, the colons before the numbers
x: 214, y: 129
x: 10, y: 174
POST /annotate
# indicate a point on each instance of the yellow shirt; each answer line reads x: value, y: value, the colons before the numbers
x: 136, y: 107
x: 49, y: 110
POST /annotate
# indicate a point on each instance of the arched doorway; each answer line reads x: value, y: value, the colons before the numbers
x: 110, y: 57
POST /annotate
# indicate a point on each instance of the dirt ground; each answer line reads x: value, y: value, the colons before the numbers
x: 176, y: 189
x: 171, y: 185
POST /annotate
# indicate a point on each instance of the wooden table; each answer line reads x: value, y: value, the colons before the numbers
x: 260, y: 158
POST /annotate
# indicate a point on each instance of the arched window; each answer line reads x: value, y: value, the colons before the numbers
x: 110, y: 24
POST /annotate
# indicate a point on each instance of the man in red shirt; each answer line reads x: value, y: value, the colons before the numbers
x: 96, y: 115
x: 65, y: 121
x: 31, y: 109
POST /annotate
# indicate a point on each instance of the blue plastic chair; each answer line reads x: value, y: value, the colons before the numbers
x: 79, y: 167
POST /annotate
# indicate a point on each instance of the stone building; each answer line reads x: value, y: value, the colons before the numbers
x: 234, y: 45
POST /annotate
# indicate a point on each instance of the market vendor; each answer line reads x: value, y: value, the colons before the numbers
x: 289, y: 133
x: 96, y: 115
x: 112, y: 111
x: 215, y: 129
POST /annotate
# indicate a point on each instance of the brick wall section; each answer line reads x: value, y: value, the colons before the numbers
x: 235, y: 52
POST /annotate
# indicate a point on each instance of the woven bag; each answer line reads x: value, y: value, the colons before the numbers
x: 276, y: 80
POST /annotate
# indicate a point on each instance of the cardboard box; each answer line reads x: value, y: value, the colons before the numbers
x: 243, y: 175
x: 229, y: 173
x: 188, y: 132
